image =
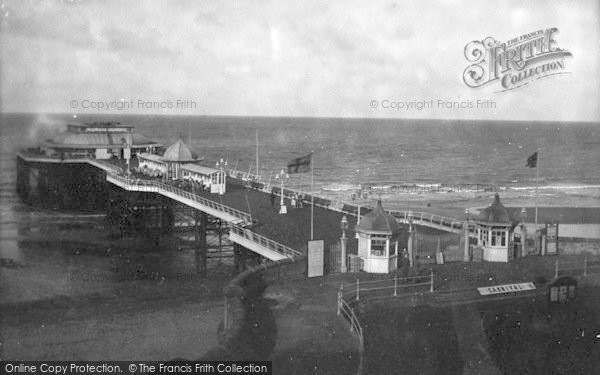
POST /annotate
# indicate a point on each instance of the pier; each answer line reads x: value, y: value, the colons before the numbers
x: 252, y: 220
x: 141, y: 185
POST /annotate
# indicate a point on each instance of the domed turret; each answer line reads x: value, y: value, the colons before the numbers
x: 179, y: 152
x: 495, y: 213
x: 378, y: 221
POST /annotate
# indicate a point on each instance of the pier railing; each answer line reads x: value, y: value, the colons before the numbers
x: 157, y: 186
x: 264, y: 241
x: 424, y: 218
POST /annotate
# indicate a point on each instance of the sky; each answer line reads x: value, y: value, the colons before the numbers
x: 288, y: 58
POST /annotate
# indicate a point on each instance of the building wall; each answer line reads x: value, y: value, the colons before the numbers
x: 102, y: 153
x: 151, y: 164
x: 495, y: 254
x: 591, y: 231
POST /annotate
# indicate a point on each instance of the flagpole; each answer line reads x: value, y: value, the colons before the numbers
x: 312, y: 198
x: 537, y: 175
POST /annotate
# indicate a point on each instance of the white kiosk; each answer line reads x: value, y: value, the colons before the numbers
x: 378, y: 241
x: 495, y: 232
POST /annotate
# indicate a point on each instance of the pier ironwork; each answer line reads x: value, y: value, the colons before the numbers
x: 236, y: 227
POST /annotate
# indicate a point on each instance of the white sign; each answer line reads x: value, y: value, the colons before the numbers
x: 316, y: 258
x: 506, y: 288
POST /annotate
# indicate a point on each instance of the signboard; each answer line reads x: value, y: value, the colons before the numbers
x: 316, y: 258
x: 505, y: 288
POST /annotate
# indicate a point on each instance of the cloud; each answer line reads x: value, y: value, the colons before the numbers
x: 303, y: 58
x: 42, y: 21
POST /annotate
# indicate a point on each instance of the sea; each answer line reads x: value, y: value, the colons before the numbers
x: 352, y: 153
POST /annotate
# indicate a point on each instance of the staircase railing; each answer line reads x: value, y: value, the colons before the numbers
x: 264, y: 241
x: 158, y: 186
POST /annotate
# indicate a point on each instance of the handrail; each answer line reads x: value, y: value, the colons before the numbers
x: 264, y: 241
x: 390, y: 279
x: 393, y: 283
x: 437, y: 220
x: 348, y: 312
x: 427, y: 217
x: 417, y: 216
x: 158, y: 186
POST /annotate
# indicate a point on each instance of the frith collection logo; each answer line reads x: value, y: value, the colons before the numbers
x: 515, y: 63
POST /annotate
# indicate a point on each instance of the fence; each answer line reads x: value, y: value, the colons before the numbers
x: 348, y: 312
x: 376, y: 289
x: 576, y: 267
x: 393, y: 287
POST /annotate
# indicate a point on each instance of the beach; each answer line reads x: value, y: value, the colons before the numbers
x: 75, y: 294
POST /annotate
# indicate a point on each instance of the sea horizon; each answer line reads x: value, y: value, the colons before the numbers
x: 349, y: 155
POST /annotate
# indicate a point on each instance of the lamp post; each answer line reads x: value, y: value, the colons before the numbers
x: 281, y: 176
x: 523, y: 216
x: 466, y: 255
x: 344, y: 226
x: 221, y: 164
x: 411, y: 258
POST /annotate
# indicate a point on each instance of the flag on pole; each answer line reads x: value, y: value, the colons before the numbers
x: 299, y: 165
x: 532, y: 160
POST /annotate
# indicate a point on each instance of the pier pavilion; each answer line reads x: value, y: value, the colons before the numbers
x: 97, y: 140
x: 180, y: 162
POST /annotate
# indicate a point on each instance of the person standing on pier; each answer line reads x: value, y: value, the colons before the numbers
x: 272, y: 198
